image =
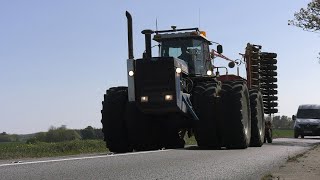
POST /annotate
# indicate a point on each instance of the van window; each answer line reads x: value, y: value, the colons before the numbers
x: 308, y: 113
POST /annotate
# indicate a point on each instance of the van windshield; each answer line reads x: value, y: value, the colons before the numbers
x: 308, y: 113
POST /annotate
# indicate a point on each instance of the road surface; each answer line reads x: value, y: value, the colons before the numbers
x: 188, y: 163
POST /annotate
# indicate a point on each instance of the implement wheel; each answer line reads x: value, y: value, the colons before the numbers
x: 257, y: 119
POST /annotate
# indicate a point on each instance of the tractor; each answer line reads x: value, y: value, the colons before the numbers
x: 181, y: 93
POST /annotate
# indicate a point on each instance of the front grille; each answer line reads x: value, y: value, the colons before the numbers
x: 155, y: 78
x: 309, y: 126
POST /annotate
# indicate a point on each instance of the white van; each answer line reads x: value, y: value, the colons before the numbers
x: 307, y: 121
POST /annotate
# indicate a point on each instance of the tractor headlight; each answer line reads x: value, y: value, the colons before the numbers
x: 178, y: 70
x: 131, y: 73
x: 209, y: 72
x: 168, y: 97
x: 144, y: 99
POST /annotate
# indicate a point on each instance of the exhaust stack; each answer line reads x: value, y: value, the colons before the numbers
x: 130, y: 40
x: 147, y: 34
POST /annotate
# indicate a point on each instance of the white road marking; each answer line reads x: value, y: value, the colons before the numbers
x: 80, y: 158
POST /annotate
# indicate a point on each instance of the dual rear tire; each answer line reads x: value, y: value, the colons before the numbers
x: 224, y: 115
x: 126, y: 128
x: 113, y: 120
x: 237, y: 116
x: 257, y: 119
x: 206, y: 105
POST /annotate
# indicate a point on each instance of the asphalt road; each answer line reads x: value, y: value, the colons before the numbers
x: 188, y: 163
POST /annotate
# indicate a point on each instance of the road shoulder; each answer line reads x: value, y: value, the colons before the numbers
x: 302, y: 166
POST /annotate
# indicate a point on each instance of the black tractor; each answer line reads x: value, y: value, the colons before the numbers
x: 181, y: 92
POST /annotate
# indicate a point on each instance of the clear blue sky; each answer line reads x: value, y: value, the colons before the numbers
x: 57, y: 58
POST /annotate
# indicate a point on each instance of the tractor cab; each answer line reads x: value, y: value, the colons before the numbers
x: 191, y: 47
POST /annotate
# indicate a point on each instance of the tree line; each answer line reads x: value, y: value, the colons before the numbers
x: 281, y: 122
x: 55, y: 134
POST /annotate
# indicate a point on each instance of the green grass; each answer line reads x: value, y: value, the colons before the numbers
x: 282, y: 133
x: 190, y: 141
x: 41, y: 149
x: 23, y: 150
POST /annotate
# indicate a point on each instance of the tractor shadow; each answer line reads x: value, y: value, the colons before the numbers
x: 290, y: 142
x: 195, y: 147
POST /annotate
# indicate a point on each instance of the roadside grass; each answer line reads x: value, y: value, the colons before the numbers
x: 268, y: 176
x: 42, y: 149
x: 190, y: 141
x: 282, y: 133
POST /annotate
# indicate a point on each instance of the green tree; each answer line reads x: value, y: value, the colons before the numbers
x: 308, y: 18
x: 39, y: 137
x: 4, y: 137
x: 54, y: 134
x: 282, y: 122
x: 99, y: 134
x: 61, y: 134
x: 88, y: 133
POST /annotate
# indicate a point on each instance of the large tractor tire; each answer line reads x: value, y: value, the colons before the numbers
x: 151, y: 132
x: 257, y: 119
x: 205, y: 102
x: 141, y: 132
x: 113, y: 120
x: 237, y: 121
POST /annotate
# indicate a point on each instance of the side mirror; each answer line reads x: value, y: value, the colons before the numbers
x: 294, y: 117
x: 231, y: 64
x: 219, y: 49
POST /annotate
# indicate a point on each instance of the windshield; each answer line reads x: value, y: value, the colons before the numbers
x: 308, y: 113
x: 189, y: 50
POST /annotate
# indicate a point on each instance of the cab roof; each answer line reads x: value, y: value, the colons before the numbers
x: 195, y: 34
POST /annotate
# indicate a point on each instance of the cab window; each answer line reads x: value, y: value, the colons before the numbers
x: 189, y: 50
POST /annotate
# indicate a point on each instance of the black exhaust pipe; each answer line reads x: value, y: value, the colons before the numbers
x: 130, y: 40
x: 147, y: 34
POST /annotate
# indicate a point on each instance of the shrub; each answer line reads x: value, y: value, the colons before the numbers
x: 55, y: 135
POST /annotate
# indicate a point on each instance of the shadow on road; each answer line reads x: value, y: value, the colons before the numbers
x: 306, y: 142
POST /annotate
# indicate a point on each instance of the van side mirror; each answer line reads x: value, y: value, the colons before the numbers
x: 294, y: 117
x: 219, y: 49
